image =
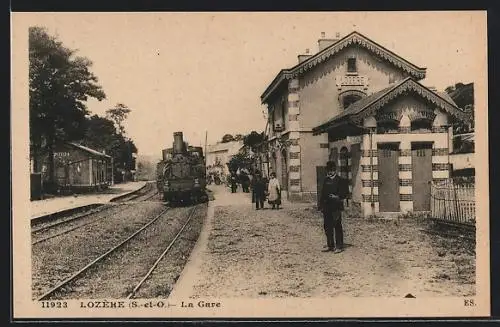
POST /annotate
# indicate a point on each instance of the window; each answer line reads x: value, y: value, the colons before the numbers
x: 350, y: 99
x: 351, y: 65
x: 283, y: 114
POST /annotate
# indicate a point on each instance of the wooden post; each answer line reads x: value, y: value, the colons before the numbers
x: 112, y: 171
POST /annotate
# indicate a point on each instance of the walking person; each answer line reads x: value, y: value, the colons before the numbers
x: 274, y: 191
x: 258, y: 190
x: 335, y: 190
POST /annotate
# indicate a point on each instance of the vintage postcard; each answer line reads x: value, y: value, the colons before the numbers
x: 258, y: 165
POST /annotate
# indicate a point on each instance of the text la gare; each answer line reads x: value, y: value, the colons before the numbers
x: 201, y: 304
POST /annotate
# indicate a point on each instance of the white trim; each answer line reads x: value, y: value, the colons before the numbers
x: 405, y: 174
x: 440, y: 159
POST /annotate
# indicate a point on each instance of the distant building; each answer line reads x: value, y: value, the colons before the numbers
x: 218, y: 155
x: 362, y: 106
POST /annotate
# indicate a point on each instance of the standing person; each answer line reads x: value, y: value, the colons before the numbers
x: 274, y: 191
x: 234, y: 184
x: 244, y: 181
x: 258, y: 190
x: 335, y: 190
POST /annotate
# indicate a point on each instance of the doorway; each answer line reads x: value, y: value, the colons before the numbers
x: 421, y: 162
x: 284, y: 170
x: 388, y: 177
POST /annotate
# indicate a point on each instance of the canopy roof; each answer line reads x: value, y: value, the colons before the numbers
x: 88, y: 150
x: 369, y: 105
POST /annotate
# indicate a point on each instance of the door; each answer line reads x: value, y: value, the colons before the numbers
x: 355, y: 158
x: 284, y: 171
x: 421, y: 162
x: 388, y: 177
x: 320, y: 177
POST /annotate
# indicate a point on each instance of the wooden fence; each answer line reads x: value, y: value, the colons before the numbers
x: 454, y: 202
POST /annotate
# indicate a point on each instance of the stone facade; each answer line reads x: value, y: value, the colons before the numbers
x: 356, y: 103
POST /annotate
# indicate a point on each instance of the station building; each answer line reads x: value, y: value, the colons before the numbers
x: 363, y: 106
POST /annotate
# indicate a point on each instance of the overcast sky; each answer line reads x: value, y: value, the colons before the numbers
x: 193, y: 72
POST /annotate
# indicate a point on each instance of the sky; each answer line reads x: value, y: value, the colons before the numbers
x: 205, y: 72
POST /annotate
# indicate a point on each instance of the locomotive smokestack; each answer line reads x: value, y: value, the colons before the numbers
x: 178, y: 143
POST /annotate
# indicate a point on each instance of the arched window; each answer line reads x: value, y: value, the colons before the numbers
x: 350, y: 99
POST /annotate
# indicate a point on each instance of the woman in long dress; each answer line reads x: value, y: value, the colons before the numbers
x: 274, y: 191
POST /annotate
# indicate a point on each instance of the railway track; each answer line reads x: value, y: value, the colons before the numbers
x: 146, y: 195
x: 59, y: 288
x: 162, y: 255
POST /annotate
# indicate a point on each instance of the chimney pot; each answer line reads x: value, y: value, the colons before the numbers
x: 307, y: 50
x: 323, y: 35
x: 337, y: 35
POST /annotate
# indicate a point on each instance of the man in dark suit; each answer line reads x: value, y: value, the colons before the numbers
x: 335, y: 190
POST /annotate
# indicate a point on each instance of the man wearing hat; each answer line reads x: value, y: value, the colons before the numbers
x: 335, y: 190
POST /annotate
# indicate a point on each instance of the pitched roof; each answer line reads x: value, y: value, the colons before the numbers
x: 370, y: 104
x: 352, y: 38
x: 88, y: 150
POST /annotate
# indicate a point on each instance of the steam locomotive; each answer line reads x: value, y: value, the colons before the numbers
x: 181, y: 176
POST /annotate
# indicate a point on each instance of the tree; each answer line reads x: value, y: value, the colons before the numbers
x: 118, y: 114
x: 59, y: 85
x: 227, y: 138
x: 463, y: 96
x: 253, y: 139
x: 102, y: 135
x: 239, y: 161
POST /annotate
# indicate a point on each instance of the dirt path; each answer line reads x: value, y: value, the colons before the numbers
x: 271, y: 253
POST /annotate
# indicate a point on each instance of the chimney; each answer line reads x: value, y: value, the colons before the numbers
x: 324, y: 43
x: 304, y: 57
x: 178, y: 146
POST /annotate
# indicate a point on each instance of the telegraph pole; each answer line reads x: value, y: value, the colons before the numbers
x: 206, y: 137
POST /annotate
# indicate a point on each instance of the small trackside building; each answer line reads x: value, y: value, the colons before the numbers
x: 79, y: 168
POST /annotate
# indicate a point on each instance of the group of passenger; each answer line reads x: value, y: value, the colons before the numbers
x: 261, y: 187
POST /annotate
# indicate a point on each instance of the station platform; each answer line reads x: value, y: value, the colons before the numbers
x: 50, y: 206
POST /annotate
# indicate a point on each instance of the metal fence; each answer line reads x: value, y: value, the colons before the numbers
x: 454, y: 201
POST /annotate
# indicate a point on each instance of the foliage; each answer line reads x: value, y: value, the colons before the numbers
x: 463, y: 96
x: 227, y: 138
x: 146, y: 170
x: 118, y: 114
x: 102, y: 135
x: 253, y: 139
x: 238, y: 137
x: 59, y: 85
x: 239, y: 161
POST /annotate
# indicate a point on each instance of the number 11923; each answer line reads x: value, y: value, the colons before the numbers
x: 54, y: 304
